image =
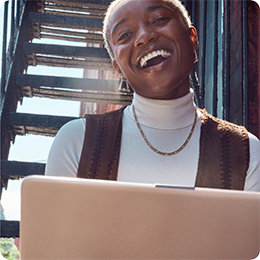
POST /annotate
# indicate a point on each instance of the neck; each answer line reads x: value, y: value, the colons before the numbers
x: 165, y: 114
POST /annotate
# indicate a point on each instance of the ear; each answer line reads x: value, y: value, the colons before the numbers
x: 116, y: 66
x: 194, y: 37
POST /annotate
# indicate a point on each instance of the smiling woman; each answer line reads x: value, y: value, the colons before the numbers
x: 161, y: 137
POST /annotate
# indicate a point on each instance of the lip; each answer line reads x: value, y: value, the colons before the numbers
x: 149, y: 50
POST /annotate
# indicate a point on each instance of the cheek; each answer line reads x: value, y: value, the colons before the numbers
x: 119, y: 53
x: 186, y: 50
x: 122, y: 56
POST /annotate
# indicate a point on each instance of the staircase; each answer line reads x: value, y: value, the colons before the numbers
x: 76, y: 23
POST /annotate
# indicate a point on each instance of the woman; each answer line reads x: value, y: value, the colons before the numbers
x: 161, y: 137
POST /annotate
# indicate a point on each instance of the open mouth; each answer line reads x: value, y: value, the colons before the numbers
x: 153, y: 58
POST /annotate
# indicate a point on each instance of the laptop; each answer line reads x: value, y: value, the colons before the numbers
x: 72, y: 218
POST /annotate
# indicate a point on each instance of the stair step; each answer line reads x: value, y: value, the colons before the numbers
x: 9, y: 228
x: 78, y: 96
x: 74, y: 8
x: 67, y: 82
x: 24, y: 123
x: 66, y: 21
x: 66, y: 35
x: 16, y: 169
x: 67, y: 56
x: 100, y: 4
x: 93, y: 90
x: 93, y: 53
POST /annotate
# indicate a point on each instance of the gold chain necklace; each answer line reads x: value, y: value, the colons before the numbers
x: 156, y: 150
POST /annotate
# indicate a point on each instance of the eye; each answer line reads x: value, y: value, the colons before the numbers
x: 160, y: 20
x: 123, y: 36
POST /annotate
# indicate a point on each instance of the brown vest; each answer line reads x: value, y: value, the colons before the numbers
x: 223, y: 158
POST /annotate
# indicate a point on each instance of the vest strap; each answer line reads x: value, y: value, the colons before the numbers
x: 101, y: 148
x: 224, y: 154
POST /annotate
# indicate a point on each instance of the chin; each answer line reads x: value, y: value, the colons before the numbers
x: 159, y: 95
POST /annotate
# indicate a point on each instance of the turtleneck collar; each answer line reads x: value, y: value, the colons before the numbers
x: 164, y: 114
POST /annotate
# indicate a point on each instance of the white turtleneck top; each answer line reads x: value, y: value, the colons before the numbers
x: 166, y: 124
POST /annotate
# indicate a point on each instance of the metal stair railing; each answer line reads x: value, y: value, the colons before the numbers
x: 11, y: 65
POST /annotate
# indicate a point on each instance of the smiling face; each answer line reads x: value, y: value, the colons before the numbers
x: 153, y: 48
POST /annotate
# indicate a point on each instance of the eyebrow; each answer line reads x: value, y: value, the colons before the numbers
x: 123, y: 20
x: 149, y: 8
x: 154, y: 7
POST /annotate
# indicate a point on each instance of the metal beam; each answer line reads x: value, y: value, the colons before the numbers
x: 67, y: 82
x: 91, y: 3
x: 46, y: 60
x: 71, y: 38
x: 123, y: 99
x: 95, y: 53
x: 104, y: 98
x: 93, y: 90
x: 17, y: 170
x: 67, y: 56
x: 23, y: 123
x: 68, y: 35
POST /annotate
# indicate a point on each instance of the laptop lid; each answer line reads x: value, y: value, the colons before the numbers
x: 71, y: 218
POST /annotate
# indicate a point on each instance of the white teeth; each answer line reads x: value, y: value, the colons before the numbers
x: 166, y: 54
x: 143, y: 63
x: 153, y: 54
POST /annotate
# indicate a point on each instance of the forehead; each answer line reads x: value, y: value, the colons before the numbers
x: 132, y: 8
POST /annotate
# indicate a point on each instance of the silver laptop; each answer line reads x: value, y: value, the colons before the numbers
x: 70, y: 218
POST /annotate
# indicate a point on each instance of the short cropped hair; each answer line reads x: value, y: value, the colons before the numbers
x: 176, y: 4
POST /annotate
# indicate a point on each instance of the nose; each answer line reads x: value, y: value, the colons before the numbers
x: 144, y: 35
